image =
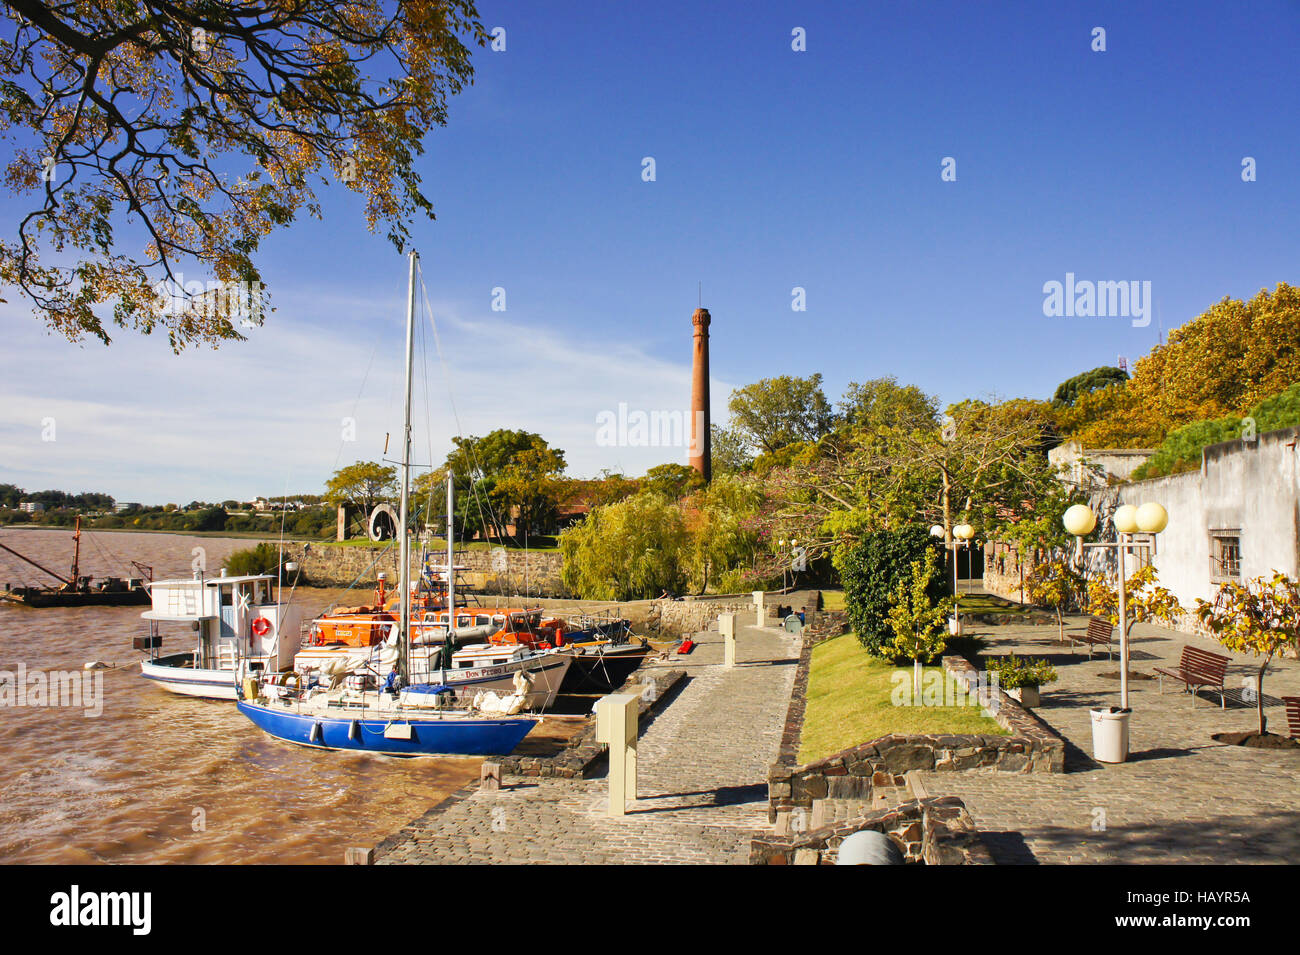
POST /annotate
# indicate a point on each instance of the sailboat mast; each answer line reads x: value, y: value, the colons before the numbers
x: 404, y: 548
x: 451, y: 573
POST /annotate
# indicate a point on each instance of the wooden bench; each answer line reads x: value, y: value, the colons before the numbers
x: 1198, y: 668
x: 1098, y: 635
x: 1292, y: 715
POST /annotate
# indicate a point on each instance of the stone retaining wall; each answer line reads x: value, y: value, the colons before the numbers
x: 854, y: 773
x: 510, y: 571
x: 934, y: 831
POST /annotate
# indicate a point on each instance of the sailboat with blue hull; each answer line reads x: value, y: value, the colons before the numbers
x: 391, y: 711
x: 443, y: 735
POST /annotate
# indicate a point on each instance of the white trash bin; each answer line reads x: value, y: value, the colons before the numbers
x: 1110, y: 734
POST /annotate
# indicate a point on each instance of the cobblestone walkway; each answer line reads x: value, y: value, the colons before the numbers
x: 1181, y: 797
x: 702, y: 790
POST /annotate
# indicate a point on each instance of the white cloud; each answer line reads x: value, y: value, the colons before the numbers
x: 264, y: 415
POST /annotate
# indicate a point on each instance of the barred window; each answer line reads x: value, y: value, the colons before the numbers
x: 1225, y: 555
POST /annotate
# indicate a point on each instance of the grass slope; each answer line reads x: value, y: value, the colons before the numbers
x: 849, y: 703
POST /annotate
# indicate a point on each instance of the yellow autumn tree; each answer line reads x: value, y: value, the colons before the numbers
x: 1221, y: 363
x: 1261, y: 617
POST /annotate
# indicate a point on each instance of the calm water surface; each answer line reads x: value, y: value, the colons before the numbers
x: 163, y: 778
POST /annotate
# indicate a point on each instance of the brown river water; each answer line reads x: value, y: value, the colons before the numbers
x: 163, y: 778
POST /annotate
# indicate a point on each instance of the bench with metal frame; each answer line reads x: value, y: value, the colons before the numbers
x: 1198, y: 668
x: 1099, y: 634
x: 1292, y: 715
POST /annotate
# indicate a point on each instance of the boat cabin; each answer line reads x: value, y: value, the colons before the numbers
x: 232, y: 618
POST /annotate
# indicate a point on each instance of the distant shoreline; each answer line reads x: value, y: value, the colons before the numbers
x: 229, y: 535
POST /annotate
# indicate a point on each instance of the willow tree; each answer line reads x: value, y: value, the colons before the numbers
x: 150, y: 137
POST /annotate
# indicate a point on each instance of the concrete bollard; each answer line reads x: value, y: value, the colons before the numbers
x: 727, y: 627
x: 616, y: 726
x: 760, y: 612
x: 358, y: 856
x: 489, y: 777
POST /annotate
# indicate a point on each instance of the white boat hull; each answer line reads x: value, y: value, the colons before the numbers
x: 175, y: 674
x: 547, y: 673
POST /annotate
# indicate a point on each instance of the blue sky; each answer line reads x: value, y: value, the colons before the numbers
x: 774, y: 169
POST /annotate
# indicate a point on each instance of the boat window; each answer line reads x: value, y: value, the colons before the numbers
x: 499, y: 619
x: 498, y: 661
x: 463, y: 621
x: 227, y: 597
x: 482, y: 621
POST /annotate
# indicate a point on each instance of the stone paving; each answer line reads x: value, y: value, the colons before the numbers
x: 702, y: 790
x: 1181, y: 797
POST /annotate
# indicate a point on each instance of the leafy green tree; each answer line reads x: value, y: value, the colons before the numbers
x: 503, y: 475
x: 1068, y: 391
x: 1056, y: 584
x: 1181, y: 449
x: 724, y: 539
x: 882, y: 403
x: 872, y: 569
x: 625, y: 551
x: 673, y: 481
x: 729, y: 451
x: 211, y: 519
x: 917, y: 618
x: 775, y: 412
x: 263, y: 558
x: 361, y: 486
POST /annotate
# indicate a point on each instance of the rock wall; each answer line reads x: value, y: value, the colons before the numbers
x: 854, y: 773
x: 536, y: 573
x: 936, y: 831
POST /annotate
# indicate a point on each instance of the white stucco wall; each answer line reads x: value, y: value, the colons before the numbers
x: 1250, y: 487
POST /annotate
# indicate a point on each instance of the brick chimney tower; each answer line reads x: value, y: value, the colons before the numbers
x: 700, y: 430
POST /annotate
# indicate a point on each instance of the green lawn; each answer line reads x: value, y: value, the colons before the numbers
x: 832, y: 600
x: 849, y: 703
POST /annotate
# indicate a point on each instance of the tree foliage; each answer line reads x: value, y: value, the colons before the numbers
x: 152, y: 135
x: 625, y: 551
x: 872, y: 569
x: 1144, y: 598
x: 724, y: 539
x: 1261, y: 617
x: 361, y: 486
x: 1221, y: 363
x: 1068, y: 392
x: 1056, y: 584
x: 775, y: 412
x: 1181, y: 449
x: 916, y: 618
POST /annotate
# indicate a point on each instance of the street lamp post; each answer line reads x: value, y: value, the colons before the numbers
x: 1151, y: 518
x: 962, y: 534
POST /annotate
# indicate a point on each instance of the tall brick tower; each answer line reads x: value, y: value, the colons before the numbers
x: 700, y: 430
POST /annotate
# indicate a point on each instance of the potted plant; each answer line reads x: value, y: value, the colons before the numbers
x: 1020, y: 679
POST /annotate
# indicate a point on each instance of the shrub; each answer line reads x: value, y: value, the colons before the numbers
x: 262, y: 559
x: 872, y: 569
x: 1014, y: 672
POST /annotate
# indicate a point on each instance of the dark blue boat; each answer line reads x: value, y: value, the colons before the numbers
x: 428, y: 735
